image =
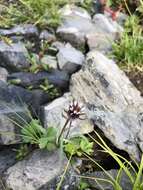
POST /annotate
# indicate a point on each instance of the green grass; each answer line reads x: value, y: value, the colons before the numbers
x: 129, y: 50
x: 39, y: 12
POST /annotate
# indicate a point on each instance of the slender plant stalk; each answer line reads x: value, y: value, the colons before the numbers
x: 113, y: 181
x: 59, y: 137
x: 137, y: 183
x: 109, y: 151
x: 127, y: 7
x: 62, y: 178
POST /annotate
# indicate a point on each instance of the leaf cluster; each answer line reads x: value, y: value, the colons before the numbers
x: 78, y: 145
x: 50, y: 89
x: 128, y: 51
x: 34, y: 133
x: 39, y: 12
x: 36, y: 64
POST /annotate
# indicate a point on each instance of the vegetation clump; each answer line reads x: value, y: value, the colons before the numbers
x: 128, y: 51
x: 40, y: 12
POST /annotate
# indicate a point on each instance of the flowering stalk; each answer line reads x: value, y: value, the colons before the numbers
x: 64, y: 127
x: 75, y: 111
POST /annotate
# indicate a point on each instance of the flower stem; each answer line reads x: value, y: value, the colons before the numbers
x: 59, y: 137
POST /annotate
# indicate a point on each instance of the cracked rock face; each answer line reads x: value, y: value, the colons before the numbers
x: 112, y: 102
x: 39, y: 171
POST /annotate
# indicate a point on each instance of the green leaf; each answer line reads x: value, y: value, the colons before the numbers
x: 51, y: 146
x: 43, y: 142
x: 51, y: 133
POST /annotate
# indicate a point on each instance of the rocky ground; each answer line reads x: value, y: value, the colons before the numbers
x: 76, y: 64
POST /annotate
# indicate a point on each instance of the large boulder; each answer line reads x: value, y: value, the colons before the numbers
x: 13, y: 56
x: 39, y: 171
x: 112, y: 102
x: 69, y: 59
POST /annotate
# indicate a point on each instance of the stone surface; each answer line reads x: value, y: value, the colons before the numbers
x: 14, y: 103
x: 26, y: 30
x: 70, y: 59
x: 58, y: 78
x: 105, y: 33
x: 52, y: 115
x: 50, y: 61
x: 39, y: 171
x: 18, y: 95
x: 112, y: 102
x: 14, y: 57
x: 100, y: 41
x: 3, y: 74
x: 7, y: 159
x: 105, y: 24
x: 76, y: 28
x: 125, y: 183
x: 9, y: 115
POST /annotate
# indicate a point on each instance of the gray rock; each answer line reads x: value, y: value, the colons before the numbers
x: 76, y: 22
x: 105, y: 33
x: 50, y: 61
x: 106, y: 25
x: 112, y: 102
x: 3, y: 74
x: 100, y: 41
x: 27, y: 30
x: 52, y: 115
x: 13, y: 110
x: 9, y: 115
x: 14, y: 57
x: 58, y: 78
x: 40, y: 171
x: 46, y: 35
x: 7, y: 159
x: 70, y: 59
x: 18, y: 95
x: 76, y: 28
x: 125, y: 182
